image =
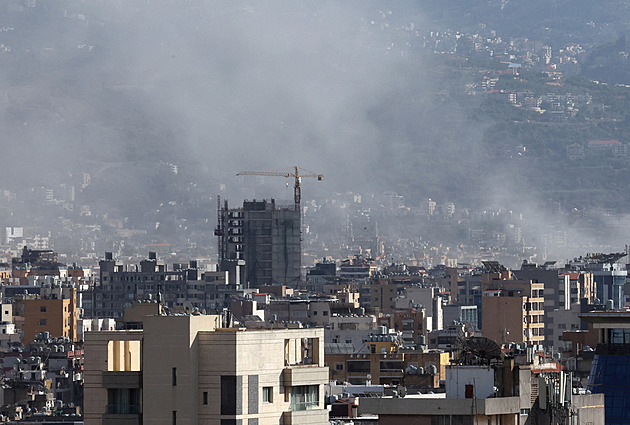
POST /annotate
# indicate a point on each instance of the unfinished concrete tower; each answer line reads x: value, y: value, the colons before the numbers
x: 267, y: 237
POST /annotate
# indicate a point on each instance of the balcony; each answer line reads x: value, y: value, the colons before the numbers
x: 122, y: 379
x: 305, y: 417
x: 304, y: 375
x: 613, y: 349
x: 123, y: 409
x: 123, y: 414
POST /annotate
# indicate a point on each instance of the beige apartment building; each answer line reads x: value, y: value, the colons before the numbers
x: 188, y: 370
x: 513, y: 311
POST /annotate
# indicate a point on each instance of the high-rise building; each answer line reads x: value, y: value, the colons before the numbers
x: 267, y: 237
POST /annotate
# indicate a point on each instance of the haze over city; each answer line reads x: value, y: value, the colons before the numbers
x: 359, y: 92
x: 263, y: 212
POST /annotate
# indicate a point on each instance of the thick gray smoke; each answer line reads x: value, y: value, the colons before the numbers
x: 124, y: 90
x: 223, y: 86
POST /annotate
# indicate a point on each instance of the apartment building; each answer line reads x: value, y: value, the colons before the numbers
x: 514, y: 311
x: 54, y: 311
x: 186, y: 369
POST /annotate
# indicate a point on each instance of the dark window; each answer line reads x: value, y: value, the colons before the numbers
x: 228, y: 395
x: 205, y: 397
x: 42, y: 322
x: 123, y: 401
x: 174, y: 421
x: 42, y: 308
x: 392, y: 365
x: 359, y: 366
x: 174, y: 377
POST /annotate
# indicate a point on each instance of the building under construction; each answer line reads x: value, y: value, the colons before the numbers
x: 266, y: 237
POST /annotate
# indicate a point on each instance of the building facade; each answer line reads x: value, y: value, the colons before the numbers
x: 204, y: 374
x: 267, y: 237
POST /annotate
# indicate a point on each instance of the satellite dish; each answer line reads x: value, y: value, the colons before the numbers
x: 476, y: 351
x: 188, y: 307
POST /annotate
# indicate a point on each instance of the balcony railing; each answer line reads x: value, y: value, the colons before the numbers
x: 613, y: 349
x: 124, y: 409
x: 297, y: 406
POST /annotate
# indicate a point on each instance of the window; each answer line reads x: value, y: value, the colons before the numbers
x: 42, y: 308
x: 304, y: 397
x: 267, y: 394
x: 338, y: 366
x: 359, y: 366
x: 205, y: 397
x: 123, y: 401
x: 393, y: 365
x: 325, y: 313
x: 42, y: 322
x: 174, y: 377
x: 228, y: 394
x: 174, y: 421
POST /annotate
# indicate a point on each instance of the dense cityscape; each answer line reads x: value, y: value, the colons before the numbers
x: 458, y: 255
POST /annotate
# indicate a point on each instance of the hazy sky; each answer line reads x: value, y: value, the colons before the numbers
x: 232, y: 85
x: 339, y: 88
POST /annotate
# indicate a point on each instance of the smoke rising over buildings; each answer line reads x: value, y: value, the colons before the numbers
x: 124, y: 90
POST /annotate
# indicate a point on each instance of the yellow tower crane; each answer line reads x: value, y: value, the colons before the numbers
x: 287, y: 172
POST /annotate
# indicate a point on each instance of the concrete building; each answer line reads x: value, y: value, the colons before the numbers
x: 204, y: 374
x: 514, y: 311
x: 54, y: 314
x: 358, y: 269
x: 267, y: 237
x: 412, y: 323
x: 380, y: 294
x: 121, y: 285
x: 557, y: 283
x: 582, y: 286
x: 609, y: 276
x: 502, y: 391
x: 558, y: 321
x: 466, y: 314
x: 381, y: 360
x: 352, y: 330
x: 321, y: 274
